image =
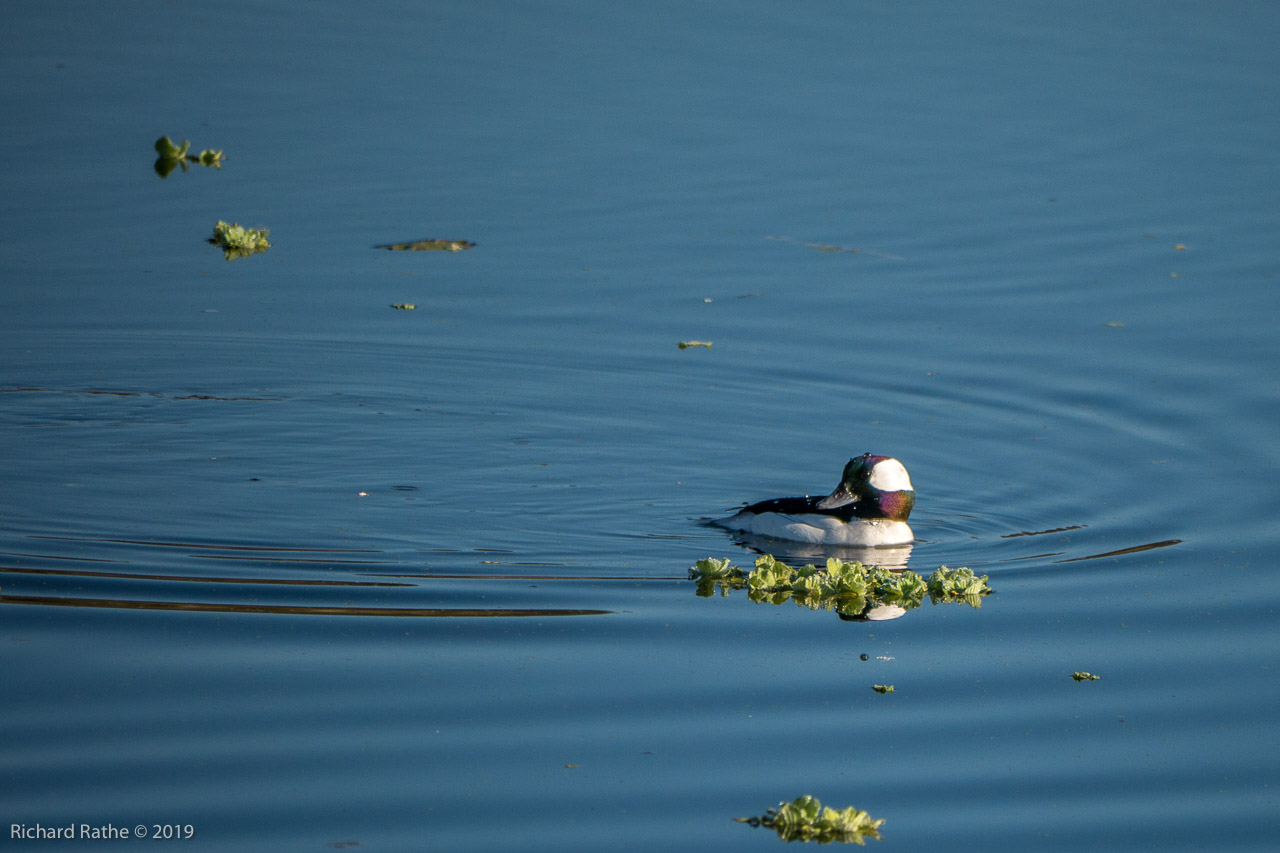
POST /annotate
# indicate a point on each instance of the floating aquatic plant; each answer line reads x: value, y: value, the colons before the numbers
x: 404, y: 306
x: 1085, y: 676
x: 167, y: 150
x: 882, y: 688
x: 236, y: 241
x: 173, y: 155
x: 429, y: 246
x: 715, y: 569
x: 847, y: 587
x: 806, y: 819
x: 688, y: 344
x: 960, y: 584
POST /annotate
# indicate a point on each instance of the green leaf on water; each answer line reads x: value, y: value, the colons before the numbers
x: 712, y: 574
x: 1085, y: 676
x: 806, y: 819
x: 173, y: 156
x: 710, y: 567
x: 168, y: 151
x: 209, y: 157
x: 236, y: 241
x: 429, y: 246
x: 882, y: 688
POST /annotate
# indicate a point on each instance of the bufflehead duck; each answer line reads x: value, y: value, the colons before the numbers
x: 869, y: 508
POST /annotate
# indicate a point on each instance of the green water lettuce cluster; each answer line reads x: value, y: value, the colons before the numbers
x: 960, y: 584
x: 847, y: 587
x: 806, y: 819
x: 172, y: 155
x: 236, y: 241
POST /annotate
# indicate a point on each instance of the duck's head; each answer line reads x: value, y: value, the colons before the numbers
x: 878, y: 486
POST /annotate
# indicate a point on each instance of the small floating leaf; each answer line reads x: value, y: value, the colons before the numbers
x: 710, y: 567
x: 209, y: 157
x: 236, y: 241
x: 687, y: 344
x: 173, y: 156
x: 1085, y: 676
x: 404, y: 306
x: 168, y: 151
x: 712, y: 573
x: 806, y: 819
x: 429, y: 246
x: 882, y: 688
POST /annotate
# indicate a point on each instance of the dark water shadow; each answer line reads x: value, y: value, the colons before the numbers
x: 259, y: 560
x: 152, y: 394
x: 1044, y: 532
x: 1136, y: 549
x: 302, y: 610
x: 194, y: 578
x: 153, y: 543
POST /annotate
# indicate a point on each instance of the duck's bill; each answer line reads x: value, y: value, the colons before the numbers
x: 840, y: 497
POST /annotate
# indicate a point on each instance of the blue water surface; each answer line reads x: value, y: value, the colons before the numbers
x: 302, y: 571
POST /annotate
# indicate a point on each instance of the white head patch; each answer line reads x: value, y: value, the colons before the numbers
x: 890, y: 475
